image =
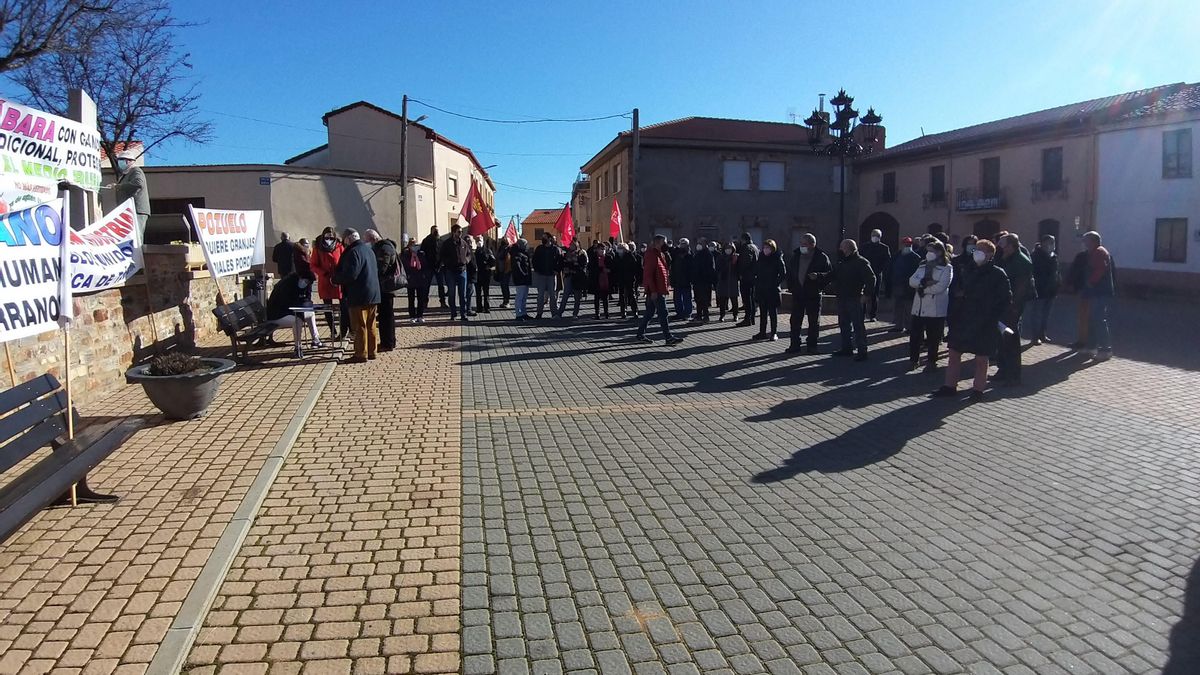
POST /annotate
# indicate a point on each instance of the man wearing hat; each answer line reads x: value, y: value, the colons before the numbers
x: 131, y: 184
x: 904, y: 265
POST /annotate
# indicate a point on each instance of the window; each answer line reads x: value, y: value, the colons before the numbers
x: 537, y: 233
x: 452, y: 184
x: 989, y: 177
x: 1052, y: 178
x: 937, y: 183
x: 770, y: 176
x: 1170, y: 240
x: 616, y: 179
x: 1177, y: 153
x: 889, y: 188
x: 736, y: 174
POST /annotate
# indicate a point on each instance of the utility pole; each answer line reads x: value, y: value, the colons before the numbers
x: 635, y: 156
x: 404, y: 170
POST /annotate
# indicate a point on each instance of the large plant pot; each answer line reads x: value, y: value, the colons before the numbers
x: 182, y: 397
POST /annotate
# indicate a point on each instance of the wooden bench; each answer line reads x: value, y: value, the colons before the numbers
x: 245, y: 322
x: 33, y: 416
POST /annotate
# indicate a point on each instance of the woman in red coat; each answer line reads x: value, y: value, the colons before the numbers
x: 324, y: 261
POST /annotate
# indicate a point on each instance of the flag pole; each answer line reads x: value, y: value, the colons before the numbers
x: 64, y: 291
x: 11, y: 372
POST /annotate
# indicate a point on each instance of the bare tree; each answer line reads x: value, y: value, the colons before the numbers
x: 31, y: 28
x: 140, y: 82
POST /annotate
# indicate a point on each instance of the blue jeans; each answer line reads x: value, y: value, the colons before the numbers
x: 683, y: 301
x: 656, y: 306
x: 850, y: 323
x: 522, y: 298
x: 1039, y: 316
x: 568, y: 291
x: 547, y: 288
x: 456, y: 282
x: 1098, y: 335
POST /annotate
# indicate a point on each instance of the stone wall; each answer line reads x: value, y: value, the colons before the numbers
x: 115, y: 329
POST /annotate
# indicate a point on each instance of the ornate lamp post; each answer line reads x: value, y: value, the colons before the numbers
x: 842, y: 139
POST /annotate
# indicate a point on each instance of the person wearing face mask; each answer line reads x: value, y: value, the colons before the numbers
x: 747, y: 257
x: 879, y: 255
x: 704, y: 276
x: 1046, y: 279
x: 1099, y: 287
x: 679, y: 265
x: 625, y: 270
x: 600, y: 276
x: 358, y: 275
x: 769, y: 274
x: 974, y: 329
x: 574, y: 269
x: 654, y: 278
x: 727, y: 281
x: 547, y: 261
x: 454, y: 254
x: 324, y: 261
x: 131, y: 184
x: 903, y: 264
x: 1019, y: 268
x: 853, y: 280
x: 522, y: 277
x: 931, y: 283
x: 808, y: 272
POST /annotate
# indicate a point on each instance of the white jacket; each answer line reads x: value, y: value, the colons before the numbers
x: 936, y: 300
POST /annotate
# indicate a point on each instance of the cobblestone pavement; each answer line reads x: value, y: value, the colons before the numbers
x: 96, y: 587
x: 353, y: 563
x: 722, y: 507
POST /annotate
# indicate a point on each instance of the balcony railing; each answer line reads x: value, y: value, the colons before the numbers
x: 1040, y: 194
x: 885, y: 196
x: 931, y: 200
x: 976, y: 199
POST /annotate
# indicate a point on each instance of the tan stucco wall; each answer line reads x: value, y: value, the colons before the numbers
x: 446, y: 208
x: 366, y: 140
x: 303, y: 205
x: 600, y: 208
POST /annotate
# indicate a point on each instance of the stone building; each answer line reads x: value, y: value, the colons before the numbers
x: 538, y: 222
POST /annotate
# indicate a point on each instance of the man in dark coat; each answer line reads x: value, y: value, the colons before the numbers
x: 747, y: 256
x: 704, y: 277
x: 547, y: 263
x: 429, y: 247
x: 808, y: 273
x: 453, y: 255
x: 879, y: 255
x: 358, y: 277
x: 387, y: 263
x: 1045, y: 282
x: 680, y: 271
x: 853, y: 280
x: 975, y: 328
x: 1019, y: 269
x: 904, y: 264
x: 283, y: 255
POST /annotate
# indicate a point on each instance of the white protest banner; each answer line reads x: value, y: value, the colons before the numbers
x: 18, y: 193
x: 30, y: 268
x: 232, y: 240
x: 107, y: 253
x: 35, y: 144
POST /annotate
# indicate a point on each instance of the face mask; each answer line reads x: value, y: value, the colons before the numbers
x: 970, y: 248
x: 1049, y: 249
x: 875, y: 240
x: 122, y: 165
x: 728, y: 251
x: 979, y: 256
x: 803, y: 250
x: 931, y: 256
x: 767, y: 250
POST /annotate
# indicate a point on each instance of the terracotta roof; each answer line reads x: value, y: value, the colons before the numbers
x: 306, y: 153
x: 1098, y: 109
x: 1183, y: 100
x: 542, y: 217
x: 713, y: 129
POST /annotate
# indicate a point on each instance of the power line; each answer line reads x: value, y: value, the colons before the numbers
x: 529, y: 189
x: 531, y: 121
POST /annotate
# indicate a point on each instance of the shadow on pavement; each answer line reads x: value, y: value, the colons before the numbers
x: 1184, y: 647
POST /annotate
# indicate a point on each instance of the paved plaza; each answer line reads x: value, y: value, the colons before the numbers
x: 552, y: 497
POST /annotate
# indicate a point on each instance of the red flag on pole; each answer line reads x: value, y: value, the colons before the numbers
x: 475, y: 212
x: 510, y: 232
x: 614, y: 224
x: 565, y: 226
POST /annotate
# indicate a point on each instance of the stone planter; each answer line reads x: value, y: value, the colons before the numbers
x: 182, y: 397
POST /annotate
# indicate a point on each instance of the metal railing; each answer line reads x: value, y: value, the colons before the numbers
x: 978, y: 199
x: 1041, y: 193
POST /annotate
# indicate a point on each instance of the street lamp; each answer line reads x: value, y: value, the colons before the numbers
x: 842, y: 139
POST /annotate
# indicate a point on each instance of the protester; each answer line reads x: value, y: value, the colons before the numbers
x: 504, y: 272
x: 358, y: 276
x: 292, y: 291
x: 485, y: 266
x: 727, y: 281
x: 902, y: 267
x: 472, y: 273
x: 1019, y: 269
x: 879, y: 255
x: 654, y: 278
x: 853, y: 279
x: 1099, y: 286
x: 770, y: 272
x: 324, y: 261
x: 419, y: 271
x: 522, y: 277
x: 747, y: 257
x: 704, y: 277
x: 931, y: 281
x: 574, y: 271
x: 808, y: 272
x: 282, y: 255
x: 680, y: 270
x: 1077, y: 281
x: 453, y: 255
x: 975, y: 328
x: 547, y: 261
x: 600, y: 276
x: 626, y: 270
x: 387, y: 263
x: 430, y: 246
x: 1045, y: 283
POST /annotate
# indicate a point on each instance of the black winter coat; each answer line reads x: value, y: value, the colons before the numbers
x: 769, y: 273
x: 358, y: 275
x: 704, y: 268
x: 904, y: 264
x: 386, y: 262
x: 879, y: 255
x: 986, y: 296
x: 522, y: 270
x: 1045, y: 272
x: 727, y: 278
x: 547, y: 259
x: 747, y: 257
x: 853, y: 277
x: 817, y: 262
x: 626, y: 269
x: 681, y: 268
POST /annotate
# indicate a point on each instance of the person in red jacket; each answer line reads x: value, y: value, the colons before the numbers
x: 654, y: 278
x: 324, y: 261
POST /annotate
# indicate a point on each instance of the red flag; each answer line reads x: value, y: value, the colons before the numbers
x: 475, y: 212
x: 565, y: 226
x: 614, y: 224
x: 510, y: 232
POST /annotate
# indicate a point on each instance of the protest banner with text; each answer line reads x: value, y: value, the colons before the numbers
x: 31, y: 262
x: 107, y: 253
x: 232, y: 240
x: 38, y: 145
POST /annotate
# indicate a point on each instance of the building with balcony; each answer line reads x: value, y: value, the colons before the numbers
x: 1033, y: 174
x: 717, y: 178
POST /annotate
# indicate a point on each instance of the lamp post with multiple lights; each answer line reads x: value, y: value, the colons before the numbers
x: 844, y: 140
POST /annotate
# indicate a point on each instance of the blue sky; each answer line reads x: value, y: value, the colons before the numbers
x: 931, y: 65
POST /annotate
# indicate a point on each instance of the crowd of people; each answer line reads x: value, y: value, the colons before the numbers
x: 974, y: 299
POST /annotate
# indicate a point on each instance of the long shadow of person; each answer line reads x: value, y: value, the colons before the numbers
x: 1184, y: 648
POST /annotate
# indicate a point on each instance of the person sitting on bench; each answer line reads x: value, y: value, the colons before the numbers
x: 292, y: 291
